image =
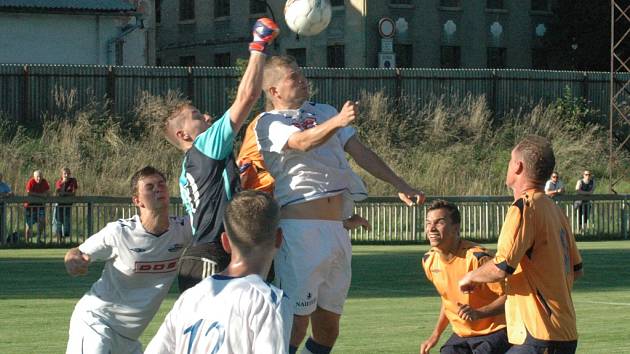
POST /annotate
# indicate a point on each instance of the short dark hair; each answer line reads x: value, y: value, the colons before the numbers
x: 538, y: 157
x: 453, y: 212
x: 142, y: 173
x: 251, y: 219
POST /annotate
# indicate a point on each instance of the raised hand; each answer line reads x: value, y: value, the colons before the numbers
x: 348, y: 113
x: 263, y: 32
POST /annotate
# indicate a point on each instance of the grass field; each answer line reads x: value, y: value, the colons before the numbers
x: 391, y: 307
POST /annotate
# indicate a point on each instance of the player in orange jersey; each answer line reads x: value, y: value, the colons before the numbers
x: 538, y: 255
x: 477, y: 318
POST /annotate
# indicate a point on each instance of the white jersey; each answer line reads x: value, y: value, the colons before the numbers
x: 302, y: 176
x: 138, y: 274
x: 225, y: 315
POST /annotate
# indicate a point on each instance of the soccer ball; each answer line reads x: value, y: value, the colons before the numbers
x: 307, y: 17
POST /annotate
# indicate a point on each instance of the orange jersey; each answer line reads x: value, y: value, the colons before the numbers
x: 537, y: 248
x: 445, y: 276
x: 251, y: 164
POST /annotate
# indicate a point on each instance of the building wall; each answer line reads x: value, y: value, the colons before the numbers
x: 355, y: 26
x: 27, y: 38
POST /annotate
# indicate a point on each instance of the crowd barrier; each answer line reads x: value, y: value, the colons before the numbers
x: 70, y: 220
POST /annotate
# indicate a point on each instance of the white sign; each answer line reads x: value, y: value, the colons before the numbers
x: 387, y: 45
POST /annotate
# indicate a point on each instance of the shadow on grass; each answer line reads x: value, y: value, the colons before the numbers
x: 375, y: 274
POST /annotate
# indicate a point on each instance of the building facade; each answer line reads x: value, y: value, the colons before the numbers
x: 106, y: 32
x: 429, y: 33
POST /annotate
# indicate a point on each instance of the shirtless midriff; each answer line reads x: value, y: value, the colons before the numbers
x: 329, y: 208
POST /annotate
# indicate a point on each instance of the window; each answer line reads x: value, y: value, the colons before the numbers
x: 221, y: 8
x: 449, y: 3
x: 404, y: 55
x: 400, y: 2
x: 335, y: 56
x: 540, y: 5
x: 336, y: 2
x: 222, y: 59
x: 119, y: 52
x: 299, y: 54
x: 186, y: 10
x: 497, y: 57
x: 450, y: 57
x: 539, y: 59
x: 494, y: 4
x: 188, y: 60
x: 158, y: 11
x: 257, y: 6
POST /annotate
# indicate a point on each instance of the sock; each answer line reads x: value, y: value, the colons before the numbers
x: 292, y: 349
x: 312, y: 347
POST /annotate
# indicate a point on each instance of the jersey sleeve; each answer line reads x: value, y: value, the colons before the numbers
x: 426, y: 266
x: 273, y: 132
x: 164, y: 341
x: 574, y: 254
x: 482, y: 257
x: 100, y: 246
x: 217, y: 142
x: 515, y: 239
x: 272, y: 324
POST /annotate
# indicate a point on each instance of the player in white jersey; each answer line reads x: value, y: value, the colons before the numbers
x: 141, y: 256
x: 304, y: 147
x: 234, y: 311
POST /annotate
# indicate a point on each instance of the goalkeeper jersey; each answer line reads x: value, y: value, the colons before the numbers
x: 445, y: 276
x: 138, y: 272
x: 225, y: 315
x: 537, y: 249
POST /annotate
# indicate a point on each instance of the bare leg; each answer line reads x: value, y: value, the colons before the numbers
x: 325, y: 326
x: 298, y: 331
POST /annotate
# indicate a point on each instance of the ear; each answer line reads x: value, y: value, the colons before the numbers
x: 273, y: 91
x: 279, y: 238
x: 520, y: 167
x: 136, y: 201
x: 182, y: 135
x: 225, y: 242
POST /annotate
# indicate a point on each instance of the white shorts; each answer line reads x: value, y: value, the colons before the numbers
x: 314, y: 264
x: 88, y: 334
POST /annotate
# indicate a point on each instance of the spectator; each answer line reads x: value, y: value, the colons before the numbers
x: 5, y: 189
x: 554, y: 186
x: 66, y: 186
x: 584, y: 186
x: 37, y: 186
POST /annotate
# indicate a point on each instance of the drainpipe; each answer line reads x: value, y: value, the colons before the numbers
x: 126, y: 31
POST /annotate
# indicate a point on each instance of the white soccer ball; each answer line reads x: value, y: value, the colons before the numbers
x: 307, y: 17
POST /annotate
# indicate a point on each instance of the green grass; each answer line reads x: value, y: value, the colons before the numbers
x: 391, y: 307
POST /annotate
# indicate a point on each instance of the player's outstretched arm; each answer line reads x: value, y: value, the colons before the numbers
x: 76, y: 262
x: 440, y: 326
x: 371, y: 162
x: 311, y: 138
x: 250, y: 88
x: 487, y: 273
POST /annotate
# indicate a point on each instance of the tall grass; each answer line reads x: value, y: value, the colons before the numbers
x: 446, y: 146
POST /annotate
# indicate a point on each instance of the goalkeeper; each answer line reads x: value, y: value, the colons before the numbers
x: 209, y: 176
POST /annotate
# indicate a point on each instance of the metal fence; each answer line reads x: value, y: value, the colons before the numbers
x: 391, y: 221
x: 27, y: 91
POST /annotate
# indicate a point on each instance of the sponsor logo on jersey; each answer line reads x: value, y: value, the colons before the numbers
x: 137, y: 250
x: 310, y: 300
x: 306, y: 123
x: 157, y: 266
x: 176, y: 247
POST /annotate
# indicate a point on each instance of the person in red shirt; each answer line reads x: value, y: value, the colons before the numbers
x: 66, y: 186
x: 37, y: 186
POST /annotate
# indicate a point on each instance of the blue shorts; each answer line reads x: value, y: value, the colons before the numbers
x: 33, y: 214
x: 493, y: 343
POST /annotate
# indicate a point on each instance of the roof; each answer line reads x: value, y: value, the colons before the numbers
x: 65, y: 5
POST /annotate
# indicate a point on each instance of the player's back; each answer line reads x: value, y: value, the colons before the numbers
x: 226, y: 315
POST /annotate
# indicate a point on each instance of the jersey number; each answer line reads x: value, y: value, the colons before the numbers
x: 214, y: 336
